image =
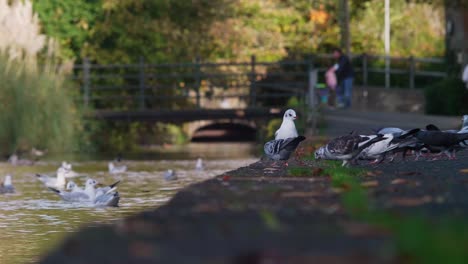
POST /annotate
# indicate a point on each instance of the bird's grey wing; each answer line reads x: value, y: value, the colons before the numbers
x: 109, y: 199
x: 273, y: 147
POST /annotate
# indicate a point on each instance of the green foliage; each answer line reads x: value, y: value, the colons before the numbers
x: 36, y: 109
x: 299, y: 171
x: 447, y: 97
x: 412, y: 33
x: 70, y: 22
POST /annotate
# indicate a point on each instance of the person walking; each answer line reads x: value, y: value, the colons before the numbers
x: 345, y: 73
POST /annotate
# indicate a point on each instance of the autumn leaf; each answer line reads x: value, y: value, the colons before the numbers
x: 369, y: 184
x: 410, y: 201
x: 399, y: 181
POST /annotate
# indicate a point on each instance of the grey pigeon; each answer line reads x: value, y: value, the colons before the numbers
x: 440, y: 141
x: 393, y: 141
x: 7, y: 186
x: 346, y: 148
x: 281, y: 149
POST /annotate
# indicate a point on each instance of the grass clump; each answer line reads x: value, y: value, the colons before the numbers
x: 36, y: 109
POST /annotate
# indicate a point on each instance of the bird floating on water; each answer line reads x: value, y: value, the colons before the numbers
x: 113, y: 169
x: 199, y: 165
x: 7, y: 185
x: 170, y: 175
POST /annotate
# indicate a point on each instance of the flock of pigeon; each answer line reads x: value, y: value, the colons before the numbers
x: 385, y: 141
x: 69, y: 191
x: 391, y: 140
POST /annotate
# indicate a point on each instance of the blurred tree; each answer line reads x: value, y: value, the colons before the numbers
x: 70, y: 22
x: 417, y: 29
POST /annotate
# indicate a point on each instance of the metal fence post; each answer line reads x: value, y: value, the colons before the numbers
x: 312, y: 74
x: 86, y: 81
x: 253, y: 79
x: 364, y: 69
x: 387, y: 71
x: 141, y: 82
x: 411, y: 72
x: 197, y: 79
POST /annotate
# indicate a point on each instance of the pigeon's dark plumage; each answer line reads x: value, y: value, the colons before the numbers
x: 346, y: 148
x: 440, y: 141
x: 281, y: 149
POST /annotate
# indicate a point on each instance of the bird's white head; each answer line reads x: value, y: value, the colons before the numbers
x: 91, y: 183
x: 7, y: 181
x: 71, y: 185
x: 290, y: 114
x: 320, y: 153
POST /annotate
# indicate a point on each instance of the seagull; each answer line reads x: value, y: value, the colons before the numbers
x: 105, y: 196
x: 108, y: 199
x: 72, y: 196
x: 281, y: 149
x: 170, y: 175
x: 54, y: 182
x: 16, y: 161
x: 199, y: 165
x: 72, y: 186
x: 7, y: 186
x: 68, y: 170
x: 346, y: 148
x: 116, y: 169
x: 105, y: 190
x: 287, y: 128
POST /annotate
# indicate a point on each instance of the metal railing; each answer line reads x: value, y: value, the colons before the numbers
x: 145, y: 85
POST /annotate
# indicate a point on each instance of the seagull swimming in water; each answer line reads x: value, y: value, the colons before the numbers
x: 287, y: 128
x: 116, y: 169
x: 170, y: 175
x: 105, y: 196
x: 58, y: 182
x: 7, y: 186
x: 199, y: 165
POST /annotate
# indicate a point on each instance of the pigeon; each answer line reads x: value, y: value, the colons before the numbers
x: 281, y: 149
x: 389, y: 130
x: 440, y: 141
x: 116, y: 169
x: 170, y: 175
x: 7, y: 186
x: 199, y: 165
x: 346, y: 148
x: 287, y: 128
x: 378, y: 150
x: 54, y: 182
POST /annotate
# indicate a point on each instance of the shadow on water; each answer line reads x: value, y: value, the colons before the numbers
x: 34, y: 219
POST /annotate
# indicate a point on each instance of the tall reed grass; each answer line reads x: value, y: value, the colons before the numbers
x: 36, y: 108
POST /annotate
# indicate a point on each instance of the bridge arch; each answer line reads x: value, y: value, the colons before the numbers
x: 232, y: 130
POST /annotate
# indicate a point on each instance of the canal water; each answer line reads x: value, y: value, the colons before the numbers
x: 34, y: 220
